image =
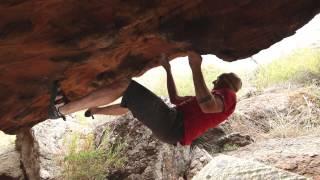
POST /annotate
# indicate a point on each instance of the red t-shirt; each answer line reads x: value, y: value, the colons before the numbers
x: 196, y: 122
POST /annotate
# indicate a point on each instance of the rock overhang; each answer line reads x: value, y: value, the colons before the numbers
x: 90, y: 44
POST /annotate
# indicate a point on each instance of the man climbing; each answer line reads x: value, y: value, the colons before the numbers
x: 192, y: 116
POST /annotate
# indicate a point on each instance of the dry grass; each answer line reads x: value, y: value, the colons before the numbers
x: 302, y: 117
x: 301, y: 66
x: 280, y: 113
x: 252, y: 125
x: 84, y: 161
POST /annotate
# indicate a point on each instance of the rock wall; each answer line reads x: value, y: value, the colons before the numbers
x: 90, y: 44
x: 299, y: 155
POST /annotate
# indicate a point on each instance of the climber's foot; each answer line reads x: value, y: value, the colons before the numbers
x: 57, y: 100
x: 89, y: 113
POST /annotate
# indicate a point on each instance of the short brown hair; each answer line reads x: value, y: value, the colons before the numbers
x: 232, y: 80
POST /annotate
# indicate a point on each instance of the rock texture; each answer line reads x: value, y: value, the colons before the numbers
x: 29, y: 153
x: 199, y: 159
x: 145, y: 156
x: 89, y: 44
x: 300, y: 155
x: 215, y: 140
x: 10, y: 166
x: 228, y: 167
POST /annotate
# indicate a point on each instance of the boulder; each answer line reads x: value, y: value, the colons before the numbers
x: 228, y: 167
x: 10, y: 166
x: 199, y: 158
x: 87, y: 45
x: 215, y: 140
x: 300, y: 155
x: 145, y: 157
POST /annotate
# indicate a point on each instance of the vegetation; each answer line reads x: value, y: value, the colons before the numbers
x: 84, y: 161
x: 301, y: 117
x: 230, y: 147
x: 299, y: 67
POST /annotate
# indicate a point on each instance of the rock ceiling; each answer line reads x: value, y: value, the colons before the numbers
x: 87, y: 44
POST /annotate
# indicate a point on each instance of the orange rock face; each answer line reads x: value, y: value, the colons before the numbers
x: 87, y: 44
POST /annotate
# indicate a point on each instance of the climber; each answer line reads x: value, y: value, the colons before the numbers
x: 191, y: 116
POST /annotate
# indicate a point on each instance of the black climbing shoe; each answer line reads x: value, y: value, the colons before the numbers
x: 57, y: 100
x: 88, y: 113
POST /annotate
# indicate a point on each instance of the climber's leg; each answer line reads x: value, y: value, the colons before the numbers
x: 99, y: 97
x: 57, y: 100
x: 115, y: 109
x: 166, y: 123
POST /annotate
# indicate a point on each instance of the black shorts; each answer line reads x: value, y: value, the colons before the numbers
x: 166, y: 123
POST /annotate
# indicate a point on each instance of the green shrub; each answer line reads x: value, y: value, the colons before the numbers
x: 301, y: 66
x: 230, y: 147
x: 84, y: 161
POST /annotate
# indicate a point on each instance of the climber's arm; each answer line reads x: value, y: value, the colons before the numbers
x: 208, y: 102
x: 171, y: 86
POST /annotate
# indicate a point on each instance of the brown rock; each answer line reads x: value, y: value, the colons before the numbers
x: 89, y: 44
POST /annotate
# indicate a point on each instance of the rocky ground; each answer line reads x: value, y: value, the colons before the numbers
x: 285, y: 126
x: 228, y: 167
x: 300, y: 154
x: 250, y: 134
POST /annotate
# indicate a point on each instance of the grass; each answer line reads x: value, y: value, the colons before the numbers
x: 230, y: 147
x: 301, y: 67
x: 84, y: 161
x: 302, y: 117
